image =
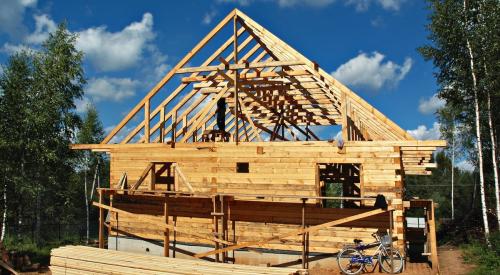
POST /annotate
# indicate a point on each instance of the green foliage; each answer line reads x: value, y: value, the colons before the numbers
x: 37, y: 253
x: 486, y: 259
x: 457, y: 28
x: 39, y: 172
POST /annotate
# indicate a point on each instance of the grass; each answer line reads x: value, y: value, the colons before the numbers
x: 486, y: 259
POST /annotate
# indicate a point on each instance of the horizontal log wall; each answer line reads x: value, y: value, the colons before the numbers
x: 274, y: 169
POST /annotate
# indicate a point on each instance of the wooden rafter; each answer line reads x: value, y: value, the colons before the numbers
x: 317, y: 98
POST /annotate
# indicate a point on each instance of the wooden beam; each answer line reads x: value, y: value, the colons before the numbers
x: 246, y: 76
x: 160, y: 224
x: 169, y: 75
x: 250, y: 121
x: 101, y: 221
x: 166, y: 239
x: 263, y: 33
x: 432, y: 238
x: 235, y: 82
x: 147, y: 110
x: 256, y: 65
x: 142, y: 177
x: 300, y: 231
x: 183, y: 177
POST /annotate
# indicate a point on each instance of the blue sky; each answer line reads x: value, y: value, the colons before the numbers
x: 370, y: 45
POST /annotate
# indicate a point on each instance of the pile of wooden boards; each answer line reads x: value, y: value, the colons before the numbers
x: 87, y: 260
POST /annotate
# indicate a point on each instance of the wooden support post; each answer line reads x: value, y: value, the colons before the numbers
x: 432, y: 238
x: 307, y: 250
x: 236, y: 73
x: 166, y: 239
x: 390, y: 236
x: 101, y: 221
x: 304, y: 234
x: 174, y: 247
x: 215, y: 225
x: 224, y: 226
x: 147, y: 110
x: 110, y: 227
x: 117, y: 226
x: 152, y: 183
x: 233, y: 228
x: 344, y: 117
x: 162, y: 124
x: 174, y: 128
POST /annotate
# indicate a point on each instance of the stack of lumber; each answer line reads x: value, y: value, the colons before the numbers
x: 87, y: 260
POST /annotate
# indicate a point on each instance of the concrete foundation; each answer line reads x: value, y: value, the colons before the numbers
x: 258, y: 257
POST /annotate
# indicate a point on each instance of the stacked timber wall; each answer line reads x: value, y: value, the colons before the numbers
x: 275, y: 168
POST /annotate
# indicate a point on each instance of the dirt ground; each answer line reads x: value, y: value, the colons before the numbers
x: 450, y: 262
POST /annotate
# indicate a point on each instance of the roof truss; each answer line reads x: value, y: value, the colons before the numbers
x: 272, y: 91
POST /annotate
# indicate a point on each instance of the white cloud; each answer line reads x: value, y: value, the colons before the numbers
x: 12, y: 14
x: 43, y: 27
x: 156, y: 67
x: 240, y: 2
x: 112, y: 51
x: 111, y: 89
x: 208, y: 17
x: 371, y: 72
x: 424, y: 133
x: 82, y: 104
x: 465, y: 165
x: 283, y: 3
x: 11, y: 49
x: 363, y: 5
x: 431, y: 105
x: 360, y: 5
x: 121, y: 135
x: 312, y: 3
x: 391, y: 4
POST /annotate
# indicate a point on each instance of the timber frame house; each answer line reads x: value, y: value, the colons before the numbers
x: 186, y: 169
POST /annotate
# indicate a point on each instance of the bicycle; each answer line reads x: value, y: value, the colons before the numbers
x: 352, y: 260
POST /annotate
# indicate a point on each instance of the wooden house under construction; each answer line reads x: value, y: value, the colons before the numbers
x: 225, y: 157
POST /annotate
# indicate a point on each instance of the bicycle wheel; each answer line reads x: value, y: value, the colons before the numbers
x: 384, y: 258
x: 350, y: 261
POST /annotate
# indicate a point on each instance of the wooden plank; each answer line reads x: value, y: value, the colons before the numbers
x: 240, y: 66
x: 88, y: 260
x: 432, y: 238
x: 101, y: 220
x: 252, y: 75
x: 157, y: 223
x: 235, y: 83
x: 147, y: 110
x: 142, y: 177
x: 294, y: 233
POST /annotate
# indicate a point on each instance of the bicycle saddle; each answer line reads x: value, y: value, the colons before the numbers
x: 357, y: 241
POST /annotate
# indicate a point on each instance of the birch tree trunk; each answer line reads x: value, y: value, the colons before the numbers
x: 494, y: 158
x: 4, y: 216
x: 453, y: 172
x: 478, y: 130
x: 490, y: 122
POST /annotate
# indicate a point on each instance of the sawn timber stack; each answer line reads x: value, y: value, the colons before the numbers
x: 87, y: 260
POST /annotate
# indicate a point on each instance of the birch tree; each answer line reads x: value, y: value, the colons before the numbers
x: 90, y: 132
x: 462, y: 42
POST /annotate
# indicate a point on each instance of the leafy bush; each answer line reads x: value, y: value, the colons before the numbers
x: 37, y: 253
x: 487, y: 259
